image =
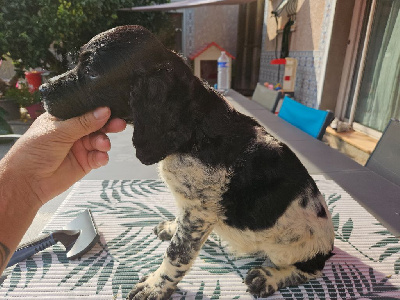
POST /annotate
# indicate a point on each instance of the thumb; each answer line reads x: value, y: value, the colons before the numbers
x: 85, y: 124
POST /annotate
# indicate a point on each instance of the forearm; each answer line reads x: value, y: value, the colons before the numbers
x: 18, y: 207
x: 50, y: 157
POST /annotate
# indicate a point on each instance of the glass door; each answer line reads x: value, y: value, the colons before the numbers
x: 375, y: 96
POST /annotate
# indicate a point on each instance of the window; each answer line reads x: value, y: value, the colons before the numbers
x: 373, y: 95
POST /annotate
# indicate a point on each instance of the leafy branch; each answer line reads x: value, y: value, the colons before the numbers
x: 215, y: 253
x: 347, y: 228
x: 48, y: 34
x: 389, y: 239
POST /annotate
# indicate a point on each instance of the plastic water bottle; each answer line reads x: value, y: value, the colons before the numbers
x: 223, y: 73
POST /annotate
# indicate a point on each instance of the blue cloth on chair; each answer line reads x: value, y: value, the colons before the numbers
x: 310, y: 120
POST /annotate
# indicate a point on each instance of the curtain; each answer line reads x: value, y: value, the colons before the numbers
x: 379, y: 98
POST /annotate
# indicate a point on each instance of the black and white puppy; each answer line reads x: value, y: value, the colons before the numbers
x: 226, y: 172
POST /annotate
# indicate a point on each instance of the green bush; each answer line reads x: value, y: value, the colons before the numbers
x: 28, y: 29
x: 4, y: 126
x: 23, y: 96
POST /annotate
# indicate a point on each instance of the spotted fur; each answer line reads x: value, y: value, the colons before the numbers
x: 226, y: 172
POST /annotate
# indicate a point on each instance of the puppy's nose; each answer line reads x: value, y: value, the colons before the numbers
x: 43, y: 89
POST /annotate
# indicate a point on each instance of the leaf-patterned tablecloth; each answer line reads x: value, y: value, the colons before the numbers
x: 366, y: 263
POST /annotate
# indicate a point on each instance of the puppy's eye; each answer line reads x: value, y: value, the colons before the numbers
x: 92, y: 74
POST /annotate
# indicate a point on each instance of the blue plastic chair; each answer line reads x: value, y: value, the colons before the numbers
x: 310, y: 120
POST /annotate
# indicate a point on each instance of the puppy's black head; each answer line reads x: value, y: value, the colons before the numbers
x: 102, y: 76
x: 130, y: 71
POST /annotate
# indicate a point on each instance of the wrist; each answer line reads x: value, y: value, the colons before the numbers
x: 15, y: 191
x: 18, y: 207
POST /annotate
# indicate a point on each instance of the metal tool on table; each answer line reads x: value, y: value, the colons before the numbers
x: 78, y: 237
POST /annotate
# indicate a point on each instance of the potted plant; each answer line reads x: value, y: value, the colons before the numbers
x: 10, y: 109
x: 27, y: 99
x: 5, y: 128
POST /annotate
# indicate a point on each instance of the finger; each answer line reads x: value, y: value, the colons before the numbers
x: 83, y: 125
x: 97, y: 159
x: 114, y: 125
x: 96, y: 141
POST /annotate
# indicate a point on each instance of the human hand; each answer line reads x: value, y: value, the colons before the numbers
x: 52, y: 155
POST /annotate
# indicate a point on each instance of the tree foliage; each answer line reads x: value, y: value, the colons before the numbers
x: 29, y: 29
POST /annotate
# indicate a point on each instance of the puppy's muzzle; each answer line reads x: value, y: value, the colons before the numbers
x: 44, y: 94
x: 44, y: 90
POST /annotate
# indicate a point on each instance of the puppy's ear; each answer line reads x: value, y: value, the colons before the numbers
x: 161, y: 100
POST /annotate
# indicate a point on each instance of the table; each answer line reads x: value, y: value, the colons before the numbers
x: 125, y: 211
x: 375, y: 193
x: 365, y: 264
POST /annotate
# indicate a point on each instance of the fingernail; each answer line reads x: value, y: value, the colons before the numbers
x: 103, y: 163
x: 100, y: 113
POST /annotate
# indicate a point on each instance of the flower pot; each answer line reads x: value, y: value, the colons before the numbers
x: 34, y: 80
x: 12, y: 109
x: 35, y: 110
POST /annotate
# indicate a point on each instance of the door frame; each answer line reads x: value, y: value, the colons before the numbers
x: 350, y: 65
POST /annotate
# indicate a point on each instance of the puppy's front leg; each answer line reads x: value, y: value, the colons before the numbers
x: 191, y: 233
x: 166, y: 229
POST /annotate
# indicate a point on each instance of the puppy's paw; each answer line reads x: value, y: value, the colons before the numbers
x: 150, y: 289
x: 260, y: 282
x: 165, y: 230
